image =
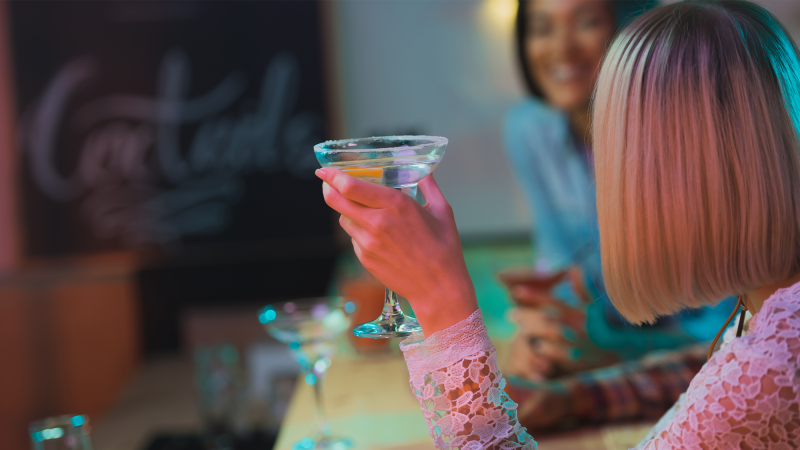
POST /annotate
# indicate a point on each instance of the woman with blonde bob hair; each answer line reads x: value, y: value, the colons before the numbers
x: 695, y: 131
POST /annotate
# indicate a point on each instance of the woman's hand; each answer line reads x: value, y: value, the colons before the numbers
x: 552, y: 339
x: 545, y: 346
x: 414, y: 250
x: 548, y: 328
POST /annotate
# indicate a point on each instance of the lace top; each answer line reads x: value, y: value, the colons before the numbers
x: 747, y: 396
x: 454, y: 376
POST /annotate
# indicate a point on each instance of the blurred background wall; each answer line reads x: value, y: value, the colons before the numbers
x: 447, y: 67
x: 441, y: 68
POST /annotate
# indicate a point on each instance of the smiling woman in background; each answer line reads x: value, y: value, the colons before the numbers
x: 560, y: 44
x: 566, y: 323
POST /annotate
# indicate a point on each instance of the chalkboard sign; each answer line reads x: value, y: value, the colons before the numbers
x: 168, y: 123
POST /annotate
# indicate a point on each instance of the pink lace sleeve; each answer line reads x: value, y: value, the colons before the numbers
x: 748, y: 395
x: 454, y: 376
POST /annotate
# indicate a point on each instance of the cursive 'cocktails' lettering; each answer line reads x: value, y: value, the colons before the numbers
x: 138, y: 175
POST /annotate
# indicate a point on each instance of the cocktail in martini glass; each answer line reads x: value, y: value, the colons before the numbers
x: 399, y: 162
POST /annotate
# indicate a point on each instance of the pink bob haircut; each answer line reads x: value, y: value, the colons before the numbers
x: 695, y: 119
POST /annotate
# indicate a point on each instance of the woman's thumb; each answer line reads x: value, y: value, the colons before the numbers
x: 434, y: 199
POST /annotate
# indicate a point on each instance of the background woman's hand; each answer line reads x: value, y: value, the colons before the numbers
x: 548, y: 333
x: 552, y: 339
x: 414, y: 250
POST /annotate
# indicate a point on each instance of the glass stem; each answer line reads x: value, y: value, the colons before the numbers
x: 320, y: 419
x: 391, y: 307
x: 411, y: 191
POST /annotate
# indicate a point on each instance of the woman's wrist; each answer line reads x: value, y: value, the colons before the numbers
x: 444, y: 310
x: 445, y: 319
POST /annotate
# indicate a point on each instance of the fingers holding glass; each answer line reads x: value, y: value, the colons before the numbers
x: 374, y: 191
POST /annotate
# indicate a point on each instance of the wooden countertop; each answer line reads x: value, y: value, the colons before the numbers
x: 368, y: 399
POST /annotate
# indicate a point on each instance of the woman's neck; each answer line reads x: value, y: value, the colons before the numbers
x: 756, y: 297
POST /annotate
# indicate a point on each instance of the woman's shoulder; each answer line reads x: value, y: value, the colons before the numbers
x: 748, y: 390
x: 532, y: 127
x: 772, y: 343
x: 779, y: 318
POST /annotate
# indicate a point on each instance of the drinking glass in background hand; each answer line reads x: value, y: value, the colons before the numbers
x: 218, y: 376
x: 310, y: 328
x: 529, y: 276
x: 69, y: 432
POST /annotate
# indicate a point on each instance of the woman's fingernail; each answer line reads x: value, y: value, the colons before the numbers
x: 325, y: 188
x: 320, y: 173
x: 569, y: 333
x: 574, y: 354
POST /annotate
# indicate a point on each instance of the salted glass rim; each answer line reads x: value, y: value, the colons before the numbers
x: 434, y: 142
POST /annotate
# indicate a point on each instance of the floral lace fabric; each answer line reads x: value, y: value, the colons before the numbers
x: 748, y: 394
x: 746, y: 397
x: 667, y: 418
x: 454, y: 376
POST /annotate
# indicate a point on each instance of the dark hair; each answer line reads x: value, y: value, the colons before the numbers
x: 624, y: 12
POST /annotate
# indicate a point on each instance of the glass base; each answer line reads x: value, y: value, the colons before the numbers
x: 400, y: 325
x: 326, y: 443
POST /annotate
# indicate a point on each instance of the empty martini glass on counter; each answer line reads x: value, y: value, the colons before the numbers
x: 310, y: 327
x: 399, y: 162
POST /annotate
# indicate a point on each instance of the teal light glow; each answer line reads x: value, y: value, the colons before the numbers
x: 229, y: 355
x: 349, y: 307
x: 311, y: 379
x: 77, y: 421
x: 767, y: 37
x: 306, y: 443
x: 342, y: 445
x: 325, y: 428
x: 302, y: 359
x: 51, y: 433
x: 37, y: 436
x: 294, y: 345
x: 268, y: 315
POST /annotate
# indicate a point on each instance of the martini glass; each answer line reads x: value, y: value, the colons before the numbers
x: 398, y: 162
x: 309, y: 327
